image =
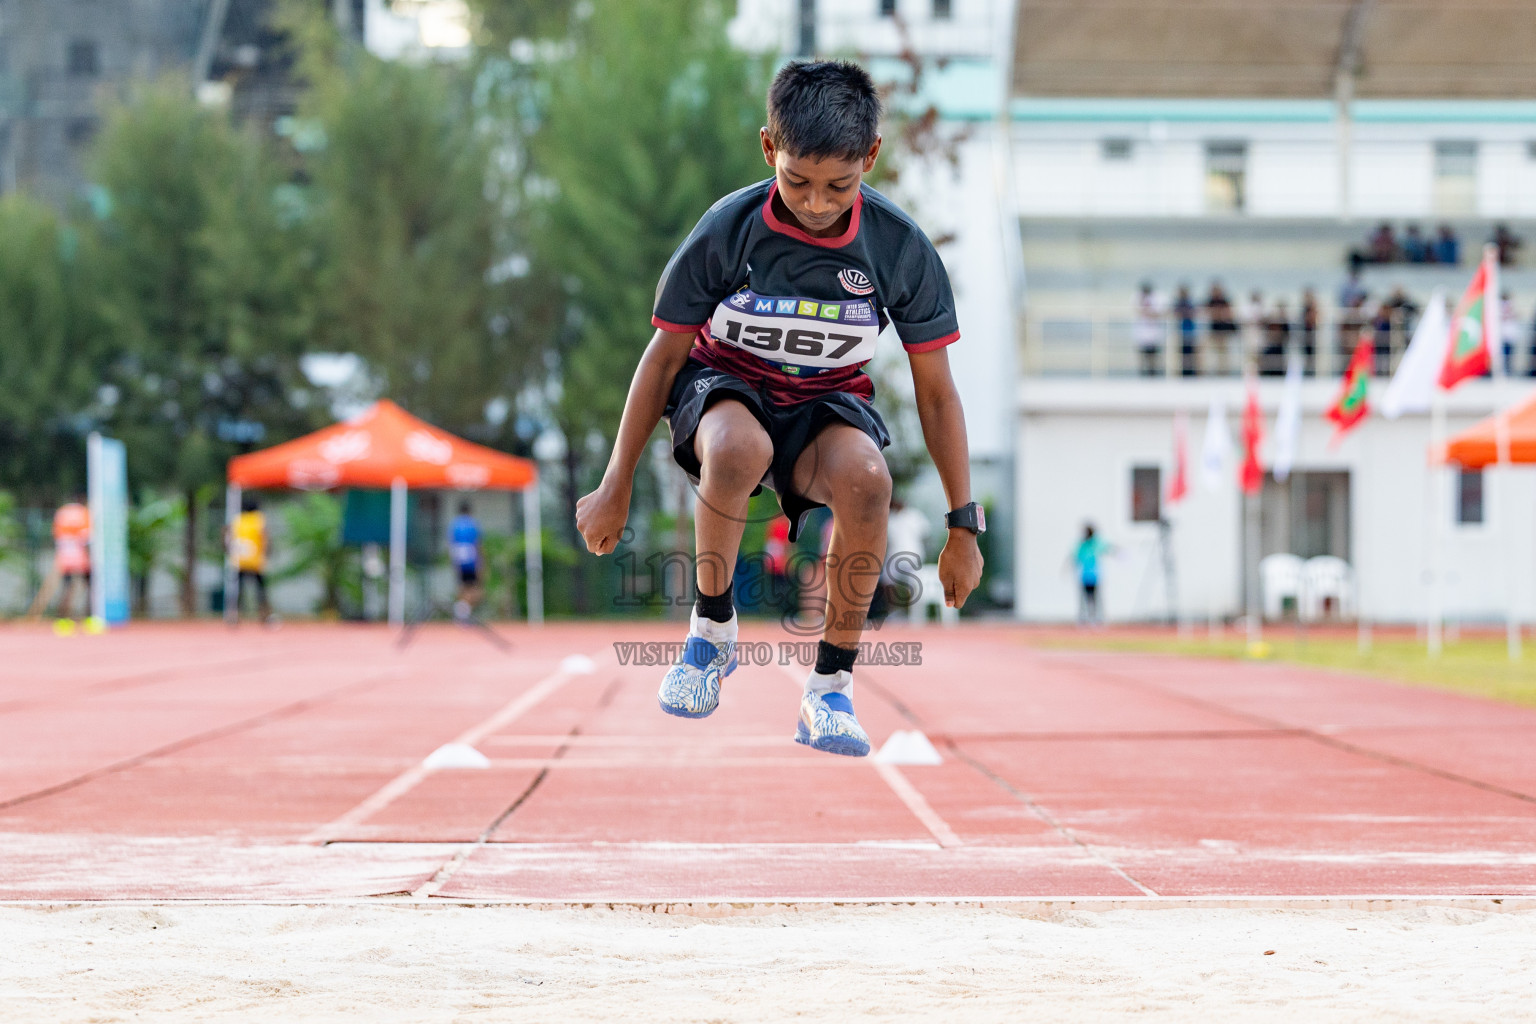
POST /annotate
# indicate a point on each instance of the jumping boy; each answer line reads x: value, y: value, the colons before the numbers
x: 765, y: 317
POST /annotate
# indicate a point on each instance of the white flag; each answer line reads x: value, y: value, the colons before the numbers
x: 1217, y: 449
x: 1413, y: 385
x: 1288, y: 419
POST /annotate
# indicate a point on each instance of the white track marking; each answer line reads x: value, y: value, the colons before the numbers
x: 904, y: 790
x: 919, y: 807
x: 412, y: 777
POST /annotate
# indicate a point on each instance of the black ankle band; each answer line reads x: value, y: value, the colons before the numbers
x: 830, y: 658
x: 717, y: 609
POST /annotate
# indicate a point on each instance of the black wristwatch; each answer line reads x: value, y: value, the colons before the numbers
x: 967, y: 517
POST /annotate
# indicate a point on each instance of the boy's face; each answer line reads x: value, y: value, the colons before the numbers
x: 817, y: 191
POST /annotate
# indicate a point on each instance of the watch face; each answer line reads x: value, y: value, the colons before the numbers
x: 981, y: 519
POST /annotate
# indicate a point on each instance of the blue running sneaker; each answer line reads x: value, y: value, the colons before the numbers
x: 691, y: 688
x: 827, y: 723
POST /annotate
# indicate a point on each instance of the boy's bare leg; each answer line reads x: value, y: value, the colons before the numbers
x: 735, y: 452
x: 844, y: 470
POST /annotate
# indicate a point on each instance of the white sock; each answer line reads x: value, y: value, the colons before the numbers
x: 716, y: 633
x: 836, y: 682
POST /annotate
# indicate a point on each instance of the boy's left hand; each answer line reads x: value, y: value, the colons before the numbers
x: 959, y: 567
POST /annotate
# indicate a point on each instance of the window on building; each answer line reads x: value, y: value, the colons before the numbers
x: 80, y: 131
x: 1115, y: 150
x: 1469, y: 497
x: 942, y: 10
x: 887, y: 8
x: 1455, y: 177
x: 1146, y: 494
x: 84, y: 59
x: 1226, y: 176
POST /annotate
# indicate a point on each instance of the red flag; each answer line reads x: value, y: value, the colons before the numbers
x: 1252, y: 477
x: 1473, y: 328
x: 1178, y: 487
x: 1351, y: 406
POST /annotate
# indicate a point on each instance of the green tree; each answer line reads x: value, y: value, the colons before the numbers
x: 50, y: 345
x: 650, y: 119
x: 205, y: 287
x: 405, y: 225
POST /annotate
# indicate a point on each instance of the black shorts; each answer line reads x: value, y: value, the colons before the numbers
x: 469, y: 574
x: 791, y: 428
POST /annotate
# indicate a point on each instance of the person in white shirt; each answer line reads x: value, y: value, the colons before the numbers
x: 1151, y: 329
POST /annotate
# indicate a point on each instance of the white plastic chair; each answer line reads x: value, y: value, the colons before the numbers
x: 1281, y: 577
x: 931, y: 595
x: 1328, y: 588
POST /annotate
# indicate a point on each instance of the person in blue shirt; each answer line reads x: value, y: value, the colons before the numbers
x: 1086, y: 559
x: 1447, y: 249
x: 464, y: 550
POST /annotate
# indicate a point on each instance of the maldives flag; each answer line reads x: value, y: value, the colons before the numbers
x: 1252, y: 477
x: 1351, y: 406
x: 1475, y: 327
x: 1178, y: 487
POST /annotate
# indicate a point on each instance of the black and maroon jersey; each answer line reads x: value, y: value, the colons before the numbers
x: 795, y: 315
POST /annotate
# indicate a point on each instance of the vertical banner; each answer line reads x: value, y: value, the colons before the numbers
x: 106, y: 463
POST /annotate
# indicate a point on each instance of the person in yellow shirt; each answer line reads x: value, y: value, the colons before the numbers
x: 251, y: 548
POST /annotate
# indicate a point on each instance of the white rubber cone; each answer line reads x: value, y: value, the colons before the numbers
x: 456, y: 755
x: 908, y: 747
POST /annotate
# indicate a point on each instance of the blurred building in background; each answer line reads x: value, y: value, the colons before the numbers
x: 1271, y: 150
x: 59, y: 59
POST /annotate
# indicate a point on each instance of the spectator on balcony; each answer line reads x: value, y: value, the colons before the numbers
x: 1184, y: 312
x: 1277, y: 338
x: 1415, y: 246
x: 1251, y: 317
x: 1382, y: 246
x: 1508, y: 244
x: 1218, y: 310
x: 1509, y: 330
x: 1353, y: 319
x: 1530, y: 365
x: 1309, y: 320
x: 1151, y: 330
x: 1447, y: 248
x: 1381, y: 330
x: 1351, y: 292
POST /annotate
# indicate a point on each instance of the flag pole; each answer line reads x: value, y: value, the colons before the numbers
x: 1437, y: 471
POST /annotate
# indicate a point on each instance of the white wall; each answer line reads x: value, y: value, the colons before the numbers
x: 1078, y: 440
x: 1292, y: 168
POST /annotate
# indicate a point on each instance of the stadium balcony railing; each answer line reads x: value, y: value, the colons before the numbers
x: 1064, y: 342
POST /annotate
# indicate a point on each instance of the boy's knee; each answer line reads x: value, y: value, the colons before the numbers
x: 736, y: 454
x: 863, y: 490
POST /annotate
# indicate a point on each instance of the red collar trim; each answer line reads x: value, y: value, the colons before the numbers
x: 773, y: 222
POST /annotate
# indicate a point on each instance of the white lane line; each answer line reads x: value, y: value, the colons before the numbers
x: 919, y: 807
x: 691, y: 763
x: 409, y: 779
x: 904, y: 790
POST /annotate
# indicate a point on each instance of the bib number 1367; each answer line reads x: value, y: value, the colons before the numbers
x: 795, y: 342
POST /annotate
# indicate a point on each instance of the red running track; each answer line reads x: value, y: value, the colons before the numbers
x: 173, y: 762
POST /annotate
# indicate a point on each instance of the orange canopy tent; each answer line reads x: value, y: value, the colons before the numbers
x: 385, y: 446
x: 1478, y: 446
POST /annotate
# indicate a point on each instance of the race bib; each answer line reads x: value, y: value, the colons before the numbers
x: 802, y: 336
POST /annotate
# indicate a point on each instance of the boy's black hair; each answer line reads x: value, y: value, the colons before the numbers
x: 824, y: 108
x: 249, y: 503
x: 464, y: 507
